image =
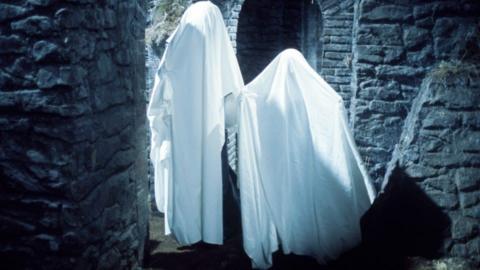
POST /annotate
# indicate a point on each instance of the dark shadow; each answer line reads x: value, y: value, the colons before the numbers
x: 292, y: 261
x: 267, y: 27
x: 153, y: 244
x: 202, y: 256
x: 230, y: 255
x: 232, y: 220
x: 402, y: 222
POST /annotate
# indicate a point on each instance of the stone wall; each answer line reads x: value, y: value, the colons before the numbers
x: 395, y: 44
x: 321, y: 30
x: 265, y: 28
x: 440, y: 149
x: 72, y: 134
x: 337, y: 38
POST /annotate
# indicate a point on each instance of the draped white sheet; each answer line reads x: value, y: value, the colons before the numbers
x: 302, y: 183
x: 186, y: 114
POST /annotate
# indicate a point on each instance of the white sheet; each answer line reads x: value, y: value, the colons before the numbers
x: 186, y: 114
x: 302, y: 183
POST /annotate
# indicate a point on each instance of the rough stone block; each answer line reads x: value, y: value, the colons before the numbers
x: 94, y: 18
x: 111, y: 18
x: 337, y: 31
x: 469, y: 199
x: 43, y: 3
x: 392, y: 54
x: 384, y: 34
x: 369, y: 54
x: 50, y: 77
x: 338, y: 23
x: 389, y: 92
x: 451, y: 37
x: 468, y: 141
x: 68, y: 19
x: 104, y: 70
x: 473, y: 248
x: 337, y: 48
x: 473, y: 212
x: 123, y: 56
x: 421, y: 11
x: 34, y: 25
x: 387, y: 13
x: 332, y: 64
x: 8, y: 12
x: 343, y: 72
x: 110, y: 260
x: 12, y: 44
x: 456, y: 98
x: 441, y: 118
x: 443, y: 183
x: 327, y: 71
x: 81, y: 44
x: 444, y: 200
x: 335, y: 55
x: 425, y: 22
x: 464, y: 228
x: 422, y: 57
x: 338, y: 40
x: 444, y: 159
x: 365, y: 72
x: 21, y: 68
x: 401, y: 73
x: 379, y: 54
x: 459, y: 250
x: 471, y: 120
x: 387, y: 107
x: 414, y: 37
x: 467, y: 179
x: 420, y: 171
x: 449, y: 8
x: 45, y: 50
x: 16, y: 177
x: 337, y: 79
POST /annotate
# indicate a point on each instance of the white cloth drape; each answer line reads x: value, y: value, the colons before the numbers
x: 302, y: 183
x: 186, y: 114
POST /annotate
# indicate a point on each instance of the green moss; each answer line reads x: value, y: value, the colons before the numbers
x: 165, y: 18
x: 448, y: 70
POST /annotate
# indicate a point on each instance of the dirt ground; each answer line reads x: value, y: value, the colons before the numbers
x: 166, y: 254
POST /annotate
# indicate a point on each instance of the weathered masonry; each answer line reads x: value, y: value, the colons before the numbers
x: 321, y: 30
x: 73, y: 146
x: 73, y: 182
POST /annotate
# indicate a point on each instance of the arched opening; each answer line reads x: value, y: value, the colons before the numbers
x: 266, y: 27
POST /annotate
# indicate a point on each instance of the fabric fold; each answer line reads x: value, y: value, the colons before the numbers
x: 302, y: 183
x: 186, y: 115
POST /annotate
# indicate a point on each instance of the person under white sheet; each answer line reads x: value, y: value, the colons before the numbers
x: 186, y: 114
x: 303, y: 186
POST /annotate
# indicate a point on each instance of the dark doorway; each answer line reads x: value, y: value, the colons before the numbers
x: 266, y: 27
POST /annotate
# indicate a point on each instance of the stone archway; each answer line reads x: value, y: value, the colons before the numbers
x: 334, y: 23
x: 267, y: 27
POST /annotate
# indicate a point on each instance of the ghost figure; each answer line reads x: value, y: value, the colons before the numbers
x: 186, y: 114
x: 302, y: 183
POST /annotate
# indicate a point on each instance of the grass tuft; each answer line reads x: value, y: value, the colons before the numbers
x: 165, y: 18
x: 446, y: 69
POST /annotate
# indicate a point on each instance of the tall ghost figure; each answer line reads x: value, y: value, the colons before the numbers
x: 186, y: 113
x: 302, y: 183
